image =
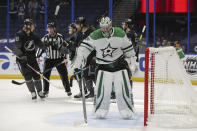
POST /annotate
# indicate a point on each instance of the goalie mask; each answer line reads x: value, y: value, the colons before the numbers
x: 106, y: 26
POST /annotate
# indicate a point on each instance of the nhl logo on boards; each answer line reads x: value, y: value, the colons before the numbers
x: 190, y: 65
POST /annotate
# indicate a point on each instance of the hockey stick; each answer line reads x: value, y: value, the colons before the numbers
x: 140, y: 39
x: 57, y: 10
x: 20, y: 83
x: 142, y: 33
x: 32, y: 68
x: 84, y: 122
x: 53, y: 67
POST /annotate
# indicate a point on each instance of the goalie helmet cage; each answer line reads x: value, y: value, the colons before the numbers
x: 169, y: 98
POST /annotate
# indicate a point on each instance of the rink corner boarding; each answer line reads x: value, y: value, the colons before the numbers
x: 9, y: 69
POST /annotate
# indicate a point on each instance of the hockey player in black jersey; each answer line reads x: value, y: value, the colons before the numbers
x: 71, y: 40
x: 83, y: 31
x: 129, y: 28
x: 25, y: 49
x: 55, y: 54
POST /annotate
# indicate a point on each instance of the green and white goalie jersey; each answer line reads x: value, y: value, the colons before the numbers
x: 108, y: 50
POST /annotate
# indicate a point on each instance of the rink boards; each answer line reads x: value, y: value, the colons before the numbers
x: 9, y: 69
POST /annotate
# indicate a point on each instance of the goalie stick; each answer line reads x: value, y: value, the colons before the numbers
x: 32, y: 68
x: 20, y: 83
x: 84, y: 122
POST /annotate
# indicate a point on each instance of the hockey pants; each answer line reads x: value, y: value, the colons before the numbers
x: 31, y: 77
x: 62, y: 70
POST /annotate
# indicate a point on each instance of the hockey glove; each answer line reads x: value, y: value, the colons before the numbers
x: 77, y: 72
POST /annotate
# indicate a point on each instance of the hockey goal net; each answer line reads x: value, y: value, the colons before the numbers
x: 169, y: 99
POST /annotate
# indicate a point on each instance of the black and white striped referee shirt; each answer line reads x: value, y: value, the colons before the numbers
x: 51, y: 51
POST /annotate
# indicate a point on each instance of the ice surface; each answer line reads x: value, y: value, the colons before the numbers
x: 59, y: 112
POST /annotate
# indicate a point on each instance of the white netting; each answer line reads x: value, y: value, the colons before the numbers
x: 174, y: 102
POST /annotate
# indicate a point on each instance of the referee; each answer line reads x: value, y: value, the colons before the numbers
x: 53, y: 58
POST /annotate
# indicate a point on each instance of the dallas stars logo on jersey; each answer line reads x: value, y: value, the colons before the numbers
x: 108, y: 51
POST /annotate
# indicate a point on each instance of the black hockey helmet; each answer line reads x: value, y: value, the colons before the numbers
x: 128, y: 21
x: 72, y: 25
x: 80, y: 20
x: 28, y: 21
x: 51, y: 25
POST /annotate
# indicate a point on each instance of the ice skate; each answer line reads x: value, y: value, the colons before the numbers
x: 41, y: 95
x: 79, y: 95
x: 33, y: 96
x: 69, y: 93
x: 46, y: 93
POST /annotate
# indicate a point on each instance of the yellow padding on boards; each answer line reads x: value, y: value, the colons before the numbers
x: 21, y: 77
x: 136, y: 79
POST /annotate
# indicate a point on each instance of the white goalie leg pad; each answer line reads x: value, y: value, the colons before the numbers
x: 123, y: 93
x: 102, y: 93
x: 126, y: 114
x: 101, y: 113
